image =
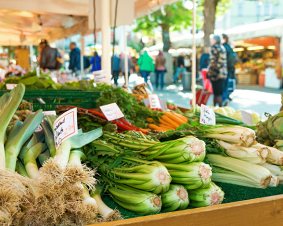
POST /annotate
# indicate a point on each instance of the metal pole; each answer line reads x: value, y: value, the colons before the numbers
x: 126, y: 57
x: 194, y: 56
x: 106, y: 39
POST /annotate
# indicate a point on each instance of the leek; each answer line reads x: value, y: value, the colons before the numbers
x: 105, y: 211
x: 186, y: 149
x: 243, y: 171
x: 191, y: 176
x: 275, y: 170
x: 49, y: 138
x: 135, y: 200
x: 175, y: 199
x: 15, y: 142
x: 9, y: 103
x: 20, y: 168
x: 249, y: 154
x: 43, y: 157
x: 212, y: 195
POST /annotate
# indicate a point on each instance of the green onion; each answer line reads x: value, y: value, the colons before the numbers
x: 175, y: 199
x: 238, y: 172
x: 212, y: 195
x: 135, y: 200
x: 9, y: 103
x: 191, y: 176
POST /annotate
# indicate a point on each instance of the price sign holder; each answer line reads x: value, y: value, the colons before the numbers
x: 112, y: 111
x: 154, y: 102
x: 207, y: 116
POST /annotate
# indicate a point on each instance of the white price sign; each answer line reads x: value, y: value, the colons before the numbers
x: 10, y: 86
x: 46, y: 113
x: 207, y: 116
x: 247, y: 118
x: 99, y: 76
x: 111, y: 111
x: 154, y: 101
x: 65, y: 126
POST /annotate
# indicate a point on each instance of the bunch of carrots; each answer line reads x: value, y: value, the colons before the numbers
x: 168, y: 121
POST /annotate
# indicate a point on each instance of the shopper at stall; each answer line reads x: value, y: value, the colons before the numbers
x: 95, y: 62
x: 75, y: 59
x: 231, y: 61
x: 115, y: 68
x: 160, y: 70
x: 217, y: 70
x: 122, y: 65
x: 50, y: 58
x: 180, y: 69
x: 204, y: 59
x: 146, y: 66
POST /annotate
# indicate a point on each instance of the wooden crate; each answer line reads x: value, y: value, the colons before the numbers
x: 256, y: 212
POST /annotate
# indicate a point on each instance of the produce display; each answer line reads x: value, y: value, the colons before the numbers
x: 145, y: 163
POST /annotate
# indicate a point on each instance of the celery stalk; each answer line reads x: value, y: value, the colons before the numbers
x: 9, y: 103
x: 15, y: 143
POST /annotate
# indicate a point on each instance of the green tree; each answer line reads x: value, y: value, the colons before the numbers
x: 173, y: 17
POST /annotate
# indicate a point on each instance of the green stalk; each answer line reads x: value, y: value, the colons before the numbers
x: 20, y: 168
x: 49, y: 138
x: 274, y: 156
x: 30, y: 159
x: 9, y: 103
x: 15, y: 143
x: 43, y: 157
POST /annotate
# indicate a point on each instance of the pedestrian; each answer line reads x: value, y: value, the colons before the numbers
x: 75, y: 59
x: 146, y: 66
x: 50, y: 58
x: 160, y: 70
x: 122, y: 65
x: 204, y: 59
x: 115, y: 68
x: 217, y: 70
x: 231, y: 61
x: 95, y: 62
x: 180, y: 69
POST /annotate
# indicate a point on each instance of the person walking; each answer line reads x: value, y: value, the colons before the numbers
x: 50, y: 58
x: 122, y: 65
x: 180, y: 69
x: 146, y: 66
x: 95, y: 62
x: 75, y: 59
x: 160, y: 70
x: 115, y: 68
x: 217, y: 70
x: 204, y: 59
x: 231, y: 61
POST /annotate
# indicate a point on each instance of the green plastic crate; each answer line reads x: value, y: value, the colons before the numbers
x: 50, y: 99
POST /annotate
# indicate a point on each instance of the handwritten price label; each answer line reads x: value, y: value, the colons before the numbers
x: 65, y: 126
x: 10, y: 86
x: 207, y: 115
x: 154, y: 101
x: 247, y: 118
x: 112, y: 111
x: 99, y: 76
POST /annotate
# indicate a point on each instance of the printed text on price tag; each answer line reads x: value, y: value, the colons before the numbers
x: 154, y: 101
x: 111, y: 111
x: 99, y: 76
x: 207, y: 116
x: 65, y: 126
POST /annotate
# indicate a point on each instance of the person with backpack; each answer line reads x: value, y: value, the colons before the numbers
x: 50, y: 58
x: 231, y: 61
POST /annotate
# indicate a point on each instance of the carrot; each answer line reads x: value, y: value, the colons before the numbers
x: 165, y: 123
x: 174, y: 117
x: 181, y: 117
x: 166, y: 127
x: 170, y: 121
x: 157, y: 128
x: 150, y: 120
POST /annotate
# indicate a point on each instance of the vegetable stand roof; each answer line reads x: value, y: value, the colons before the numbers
x: 26, y: 22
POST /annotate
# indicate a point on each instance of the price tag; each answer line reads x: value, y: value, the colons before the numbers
x: 154, y: 101
x: 111, y: 111
x: 65, y: 126
x: 10, y: 86
x: 99, y: 77
x: 46, y: 113
x: 207, y: 116
x: 247, y: 118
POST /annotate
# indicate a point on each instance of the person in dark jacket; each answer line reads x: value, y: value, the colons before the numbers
x: 204, y: 59
x: 180, y: 69
x: 49, y: 57
x: 95, y: 62
x: 115, y: 60
x: 217, y: 70
x: 75, y: 58
x: 231, y: 60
